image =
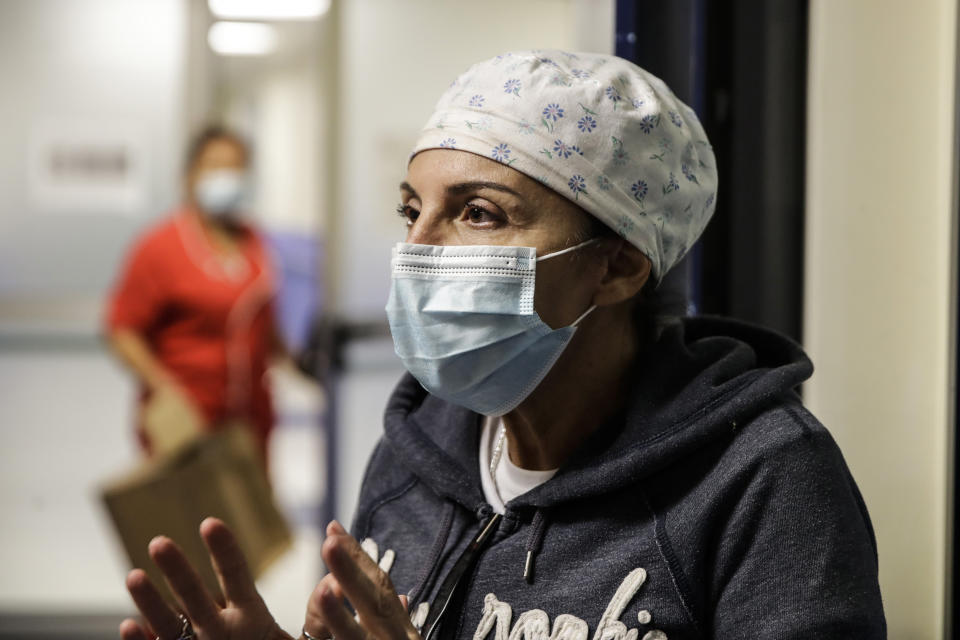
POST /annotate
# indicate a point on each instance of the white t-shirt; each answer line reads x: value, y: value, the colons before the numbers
x: 511, y: 480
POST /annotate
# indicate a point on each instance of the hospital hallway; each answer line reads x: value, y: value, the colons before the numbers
x: 199, y: 209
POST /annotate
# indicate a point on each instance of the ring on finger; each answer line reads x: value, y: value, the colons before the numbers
x: 306, y: 634
x: 186, y: 629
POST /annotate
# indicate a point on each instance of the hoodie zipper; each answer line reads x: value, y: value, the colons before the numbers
x: 455, y: 579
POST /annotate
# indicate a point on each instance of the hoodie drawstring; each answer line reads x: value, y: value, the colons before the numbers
x: 446, y: 523
x: 534, y: 541
x: 453, y: 585
x: 538, y: 529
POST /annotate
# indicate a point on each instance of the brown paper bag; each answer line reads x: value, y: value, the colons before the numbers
x: 171, y: 421
x: 218, y: 475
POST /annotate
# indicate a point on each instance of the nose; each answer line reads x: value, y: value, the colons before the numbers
x: 428, y: 228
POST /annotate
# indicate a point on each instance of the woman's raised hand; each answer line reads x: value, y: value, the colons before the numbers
x: 356, y: 578
x: 244, y: 616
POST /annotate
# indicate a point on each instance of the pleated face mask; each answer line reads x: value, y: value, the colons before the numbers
x: 463, y: 322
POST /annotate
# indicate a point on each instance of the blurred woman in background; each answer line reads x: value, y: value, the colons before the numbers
x: 192, y: 312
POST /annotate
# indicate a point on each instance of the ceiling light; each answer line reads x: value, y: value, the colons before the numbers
x: 269, y: 9
x: 242, y: 38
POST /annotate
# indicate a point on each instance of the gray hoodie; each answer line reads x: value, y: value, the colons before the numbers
x: 714, y: 506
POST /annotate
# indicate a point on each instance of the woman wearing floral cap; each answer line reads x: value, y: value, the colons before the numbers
x: 561, y: 462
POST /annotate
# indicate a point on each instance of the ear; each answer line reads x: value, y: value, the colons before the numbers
x: 628, y: 269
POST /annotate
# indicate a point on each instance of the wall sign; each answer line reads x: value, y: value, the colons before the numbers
x: 86, y: 167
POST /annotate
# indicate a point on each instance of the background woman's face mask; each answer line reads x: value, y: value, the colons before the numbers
x: 463, y: 322
x: 221, y: 192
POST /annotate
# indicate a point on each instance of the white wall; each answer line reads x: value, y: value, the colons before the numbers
x: 110, y: 67
x: 879, y: 222
x: 396, y: 58
x: 287, y: 153
x: 277, y: 102
x: 58, y: 550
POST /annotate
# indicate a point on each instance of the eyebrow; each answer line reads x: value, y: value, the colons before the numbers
x: 463, y: 187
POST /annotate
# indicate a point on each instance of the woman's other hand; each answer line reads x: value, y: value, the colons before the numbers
x: 356, y: 578
x: 243, y: 616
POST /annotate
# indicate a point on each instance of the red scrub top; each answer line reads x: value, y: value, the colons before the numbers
x: 209, y: 323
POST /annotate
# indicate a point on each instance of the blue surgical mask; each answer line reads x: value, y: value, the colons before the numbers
x: 463, y: 322
x: 221, y: 192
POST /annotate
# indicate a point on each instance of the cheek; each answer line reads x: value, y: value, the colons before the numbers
x: 564, y: 291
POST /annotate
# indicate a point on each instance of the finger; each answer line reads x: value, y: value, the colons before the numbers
x: 130, y: 630
x: 366, y: 586
x: 155, y: 611
x: 228, y: 562
x: 335, y: 528
x: 336, y: 619
x: 314, y: 623
x: 405, y: 602
x: 185, y: 584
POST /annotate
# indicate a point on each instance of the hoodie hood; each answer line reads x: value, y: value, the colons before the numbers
x: 711, y: 505
x: 690, y: 389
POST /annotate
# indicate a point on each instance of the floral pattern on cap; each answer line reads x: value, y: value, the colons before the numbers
x: 595, y: 128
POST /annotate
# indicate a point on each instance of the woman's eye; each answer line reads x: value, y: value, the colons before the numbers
x: 479, y: 215
x: 408, y: 213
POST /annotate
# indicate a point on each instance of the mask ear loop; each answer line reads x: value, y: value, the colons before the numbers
x: 568, y: 249
x: 583, y: 315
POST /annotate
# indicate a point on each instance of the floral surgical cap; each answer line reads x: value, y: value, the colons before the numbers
x: 596, y: 128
